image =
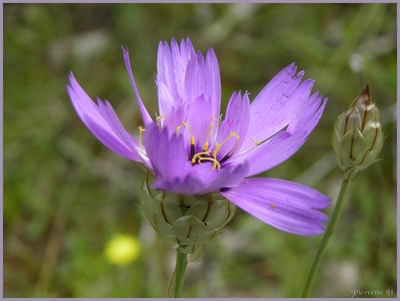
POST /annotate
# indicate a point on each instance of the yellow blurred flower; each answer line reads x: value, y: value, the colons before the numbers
x: 122, y: 249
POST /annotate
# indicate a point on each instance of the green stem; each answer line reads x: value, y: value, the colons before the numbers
x: 180, y: 268
x: 328, y: 233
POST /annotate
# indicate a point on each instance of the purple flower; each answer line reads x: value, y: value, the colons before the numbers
x: 191, y: 150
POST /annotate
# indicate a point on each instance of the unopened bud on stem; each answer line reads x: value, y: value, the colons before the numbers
x: 357, y: 135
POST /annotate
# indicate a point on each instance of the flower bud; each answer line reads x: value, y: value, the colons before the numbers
x: 183, y: 221
x: 357, y: 135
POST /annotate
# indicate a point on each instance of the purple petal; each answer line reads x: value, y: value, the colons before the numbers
x: 199, y: 117
x: 188, y: 186
x: 214, y: 80
x: 145, y: 115
x: 227, y: 176
x: 109, y: 115
x: 237, y: 120
x: 165, y: 99
x: 173, y: 119
x: 201, y: 179
x: 285, y: 205
x: 309, y: 114
x: 276, y: 106
x: 103, y: 123
x: 202, y: 78
x: 215, y: 179
x: 166, y: 152
x: 171, y: 70
x: 284, y: 144
x: 271, y: 153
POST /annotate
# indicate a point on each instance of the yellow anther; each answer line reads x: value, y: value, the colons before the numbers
x: 215, y: 165
x: 257, y: 142
x: 191, y: 132
x: 177, y: 129
x: 158, y: 119
x: 232, y: 134
x: 188, y: 125
x: 191, y: 138
x: 216, y: 150
x: 205, y: 147
x: 201, y: 159
x: 232, y: 151
x: 198, y: 155
x: 141, y: 130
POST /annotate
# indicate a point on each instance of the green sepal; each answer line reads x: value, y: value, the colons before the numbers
x: 186, y: 222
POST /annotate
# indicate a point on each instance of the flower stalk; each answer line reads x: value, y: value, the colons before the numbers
x: 325, y: 239
x: 179, y: 274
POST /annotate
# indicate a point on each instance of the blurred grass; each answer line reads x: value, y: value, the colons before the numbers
x: 66, y: 195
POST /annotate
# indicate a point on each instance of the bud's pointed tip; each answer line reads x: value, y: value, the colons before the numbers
x: 366, y: 91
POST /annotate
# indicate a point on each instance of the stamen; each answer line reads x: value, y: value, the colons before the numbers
x: 190, y: 128
x: 235, y: 147
x: 158, y: 119
x: 214, y: 155
x: 141, y: 130
x: 232, y: 134
x: 215, y: 165
x: 205, y: 147
x: 232, y: 151
x: 191, y: 138
x: 257, y: 142
x: 198, y: 155
x: 177, y: 129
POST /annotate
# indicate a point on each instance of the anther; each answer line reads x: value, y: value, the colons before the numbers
x: 257, y: 142
x: 198, y: 155
x: 191, y: 138
x: 177, y: 129
x: 215, y: 165
x: 158, y: 119
x: 190, y: 128
x: 214, y: 155
x: 205, y: 147
x: 232, y: 151
x: 141, y: 130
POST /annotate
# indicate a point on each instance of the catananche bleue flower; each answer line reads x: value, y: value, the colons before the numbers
x: 190, y: 150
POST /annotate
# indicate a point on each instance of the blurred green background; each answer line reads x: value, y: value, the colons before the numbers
x: 66, y: 195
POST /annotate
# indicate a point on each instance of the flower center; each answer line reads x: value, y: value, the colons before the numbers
x: 206, y: 154
x: 209, y: 155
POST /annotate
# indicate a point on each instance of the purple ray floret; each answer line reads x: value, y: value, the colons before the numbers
x: 190, y: 149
